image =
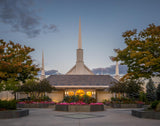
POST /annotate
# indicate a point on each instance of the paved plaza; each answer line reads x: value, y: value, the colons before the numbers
x: 49, y: 117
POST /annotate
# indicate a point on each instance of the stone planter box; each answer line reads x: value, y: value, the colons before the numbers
x: 35, y: 105
x: 127, y: 105
x: 79, y: 108
x: 61, y: 108
x: 146, y: 114
x: 13, y: 114
x: 96, y: 108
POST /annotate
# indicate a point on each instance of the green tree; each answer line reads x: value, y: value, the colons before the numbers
x: 44, y: 86
x: 158, y: 92
x: 142, y: 97
x: 10, y: 85
x: 142, y: 52
x: 134, y: 87
x: 15, y: 62
x: 131, y: 87
x: 118, y: 87
x: 151, y: 91
x: 29, y: 87
x: 36, y: 89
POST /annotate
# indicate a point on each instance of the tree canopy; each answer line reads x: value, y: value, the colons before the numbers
x: 142, y: 52
x: 131, y: 87
x: 15, y: 62
x: 35, y: 88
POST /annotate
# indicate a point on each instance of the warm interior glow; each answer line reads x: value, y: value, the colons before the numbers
x: 70, y: 93
x: 89, y: 93
x: 80, y: 92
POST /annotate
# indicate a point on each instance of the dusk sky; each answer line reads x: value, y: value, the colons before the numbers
x: 52, y: 26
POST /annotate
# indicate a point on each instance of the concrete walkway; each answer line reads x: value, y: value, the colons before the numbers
x: 49, y: 117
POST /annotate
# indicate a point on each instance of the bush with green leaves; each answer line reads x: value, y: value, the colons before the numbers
x: 122, y: 100
x: 77, y: 98
x: 129, y: 87
x: 158, y: 92
x: 36, y: 89
x: 158, y: 107
x: 8, y: 105
x: 154, y: 104
x: 151, y: 91
x: 142, y: 97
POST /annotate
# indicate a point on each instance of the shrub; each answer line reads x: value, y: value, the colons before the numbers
x: 142, y: 97
x: 151, y: 91
x: 77, y: 98
x: 8, y: 105
x: 154, y: 104
x: 158, y: 92
x: 158, y: 107
x: 125, y: 100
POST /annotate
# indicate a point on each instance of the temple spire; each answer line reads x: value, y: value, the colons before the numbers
x: 42, y: 69
x: 117, y: 71
x: 117, y: 68
x: 79, y: 37
x: 80, y: 68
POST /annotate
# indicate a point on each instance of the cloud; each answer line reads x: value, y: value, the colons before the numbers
x: 49, y: 28
x: 21, y: 16
x: 110, y: 70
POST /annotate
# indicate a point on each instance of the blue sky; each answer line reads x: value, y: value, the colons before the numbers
x: 56, y: 22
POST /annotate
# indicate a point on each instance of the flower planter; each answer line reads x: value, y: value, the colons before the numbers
x: 96, y: 108
x: 13, y: 114
x: 38, y: 105
x: 79, y: 108
x: 127, y: 105
x: 146, y: 114
x: 61, y: 108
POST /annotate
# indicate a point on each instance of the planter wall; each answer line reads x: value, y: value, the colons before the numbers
x: 126, y: 105
x: 13, y: 114
x: 146, y: 114
x: 79, y: 108
x: 96, y: 108
x: 35, y: 105
x: 61, y: 108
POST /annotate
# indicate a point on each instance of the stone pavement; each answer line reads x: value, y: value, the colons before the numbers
x: 49, y: 117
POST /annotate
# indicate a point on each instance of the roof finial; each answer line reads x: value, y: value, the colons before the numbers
x: 79, y: 39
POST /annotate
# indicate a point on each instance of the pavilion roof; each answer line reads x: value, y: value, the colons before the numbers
x: 81, y: 81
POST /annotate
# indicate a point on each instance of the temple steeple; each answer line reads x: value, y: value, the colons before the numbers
x: 80, y: 68
x: 42, y: 69
x: 117, y: 77
x: 79, y: 36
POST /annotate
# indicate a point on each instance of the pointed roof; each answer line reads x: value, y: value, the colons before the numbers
x: 80, y: 68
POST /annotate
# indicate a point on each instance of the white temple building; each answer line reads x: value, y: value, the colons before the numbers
x: 80, y: 80
x: 80, y: 68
